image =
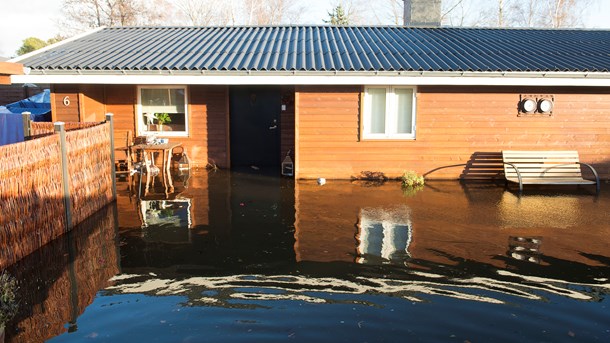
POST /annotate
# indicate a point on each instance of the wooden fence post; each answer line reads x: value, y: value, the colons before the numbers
x: 27, y: 125
x: 60, y: 128
x: 110, y: 119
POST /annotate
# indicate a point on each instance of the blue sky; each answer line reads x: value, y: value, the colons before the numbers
x: 37, y: 18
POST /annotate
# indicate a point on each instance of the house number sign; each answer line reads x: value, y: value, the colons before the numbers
x: 66, y: 100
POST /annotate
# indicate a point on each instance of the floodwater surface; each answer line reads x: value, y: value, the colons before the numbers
x: 246, y: 257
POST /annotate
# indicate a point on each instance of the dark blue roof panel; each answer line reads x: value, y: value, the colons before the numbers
x: 330, y: 48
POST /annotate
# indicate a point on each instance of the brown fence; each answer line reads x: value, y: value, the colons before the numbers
x: 46, y: 128
x: 32, y: 193
x: 89, y: 169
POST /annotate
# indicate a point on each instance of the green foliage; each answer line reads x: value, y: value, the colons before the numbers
x: 56, y: 39
x: 8, y: 301
x: 337, y: 17
x: 33, y: 43
x: 412, y: 179
x: 30, y: 44
x: 163, y: 118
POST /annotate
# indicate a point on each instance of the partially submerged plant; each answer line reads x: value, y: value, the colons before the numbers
x: 412, y: 179
x: 8, y: 298
x: 370, y: 178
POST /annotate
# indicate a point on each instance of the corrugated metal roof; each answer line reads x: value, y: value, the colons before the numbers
x: 329, y: 48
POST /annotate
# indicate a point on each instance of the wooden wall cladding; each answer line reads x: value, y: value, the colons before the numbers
x: 120, y: 100
x: 454, y: 126
x: 209, y: 126
x: 65, y: 104
x: 208, y: 116
x: 92, y: 102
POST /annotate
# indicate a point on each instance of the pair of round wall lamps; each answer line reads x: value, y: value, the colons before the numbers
x: 541, y: 105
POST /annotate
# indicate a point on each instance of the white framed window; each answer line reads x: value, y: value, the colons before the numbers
x: 389, y: 112
x: 162, y: 110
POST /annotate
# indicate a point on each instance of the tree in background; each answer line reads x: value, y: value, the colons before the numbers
x: 337, y: 17
x: 81, y: 15
x: 33, y: 43
x: 515, y: 13
x: 240, y: 12
x: 87, y: 14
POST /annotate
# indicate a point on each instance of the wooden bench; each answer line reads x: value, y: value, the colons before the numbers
x: 545, y: 168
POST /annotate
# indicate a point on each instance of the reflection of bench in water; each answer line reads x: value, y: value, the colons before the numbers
x: 525, y: 248
x: 545, y: 168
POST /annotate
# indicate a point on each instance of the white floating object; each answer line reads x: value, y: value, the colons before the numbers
x: 321, y: 181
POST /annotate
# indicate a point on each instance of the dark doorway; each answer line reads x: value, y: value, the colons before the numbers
x: 255, y: 127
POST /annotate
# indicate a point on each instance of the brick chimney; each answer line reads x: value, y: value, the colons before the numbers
x: 422, y: 12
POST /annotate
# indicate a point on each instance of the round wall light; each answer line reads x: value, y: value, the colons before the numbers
x: 545, y: 105
x: 528, y: 105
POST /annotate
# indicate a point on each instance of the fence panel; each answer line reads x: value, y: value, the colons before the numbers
x: 32, y: 207
x: 90, y: 170
x: 31, y: 197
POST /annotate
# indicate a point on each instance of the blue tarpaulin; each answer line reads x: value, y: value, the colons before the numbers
x: 11, y: 128
x: 38, y: 105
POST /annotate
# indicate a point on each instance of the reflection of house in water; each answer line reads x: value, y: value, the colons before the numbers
x: 529, y: 211
x: 383, y: 233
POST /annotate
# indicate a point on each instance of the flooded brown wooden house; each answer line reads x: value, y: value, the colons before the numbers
x: 341, y: 100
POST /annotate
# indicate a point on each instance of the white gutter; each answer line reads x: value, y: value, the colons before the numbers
x: 453, y: 79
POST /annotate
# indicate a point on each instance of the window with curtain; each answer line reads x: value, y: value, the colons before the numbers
x: 162, y: 110
x: 389, y: 113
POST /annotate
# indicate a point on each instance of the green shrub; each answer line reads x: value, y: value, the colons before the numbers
x: 412, y: 179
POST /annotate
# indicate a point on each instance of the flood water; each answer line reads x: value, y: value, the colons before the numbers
x: 243, y: 257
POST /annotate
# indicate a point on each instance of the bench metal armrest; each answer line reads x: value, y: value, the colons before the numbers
x: 518, y: 175
x: 597, y: 185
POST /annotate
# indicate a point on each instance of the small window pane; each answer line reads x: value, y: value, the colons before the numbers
x: 404, y: 109
x: 159, y: 100
x: 378, y: 110
x: 163, y: 102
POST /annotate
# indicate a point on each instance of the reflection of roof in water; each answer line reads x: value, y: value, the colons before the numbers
x: 317, y: 282
x: 310, y: 289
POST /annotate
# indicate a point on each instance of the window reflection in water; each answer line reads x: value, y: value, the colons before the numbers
x: 175, y: 212
x: 384, y: 235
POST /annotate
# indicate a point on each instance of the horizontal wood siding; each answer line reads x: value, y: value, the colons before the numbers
x: 92, y: 102
x: 59, y: 110
x: 208, y: 141
x: 208, y: 118
x: 120, y: 101
x: 14, y: 93
x: 454, y: 126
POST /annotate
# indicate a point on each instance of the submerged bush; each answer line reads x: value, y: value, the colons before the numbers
x: 8, y: 300
x: 370, y: 178
x: 412, y: 179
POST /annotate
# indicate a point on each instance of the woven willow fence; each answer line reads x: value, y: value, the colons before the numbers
x: 36, y: 204
x: 45, y: 128
x: 89, y: 169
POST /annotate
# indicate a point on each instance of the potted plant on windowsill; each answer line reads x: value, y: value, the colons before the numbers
x: 162, y: 119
